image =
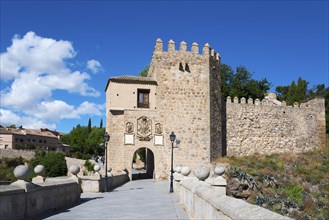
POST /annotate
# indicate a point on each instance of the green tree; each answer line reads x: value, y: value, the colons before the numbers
x: 11, y: 126
x: 101, y: 123
x: 282, y: 92
x: 144, y: 72
x: 300, y: 93
x: 83, y: 143
x: 321, y: 91
x: 54, y: 163
x: 89, y: 125
x: 95, y: 138
x: 293, y: 93
x: 241, y: 84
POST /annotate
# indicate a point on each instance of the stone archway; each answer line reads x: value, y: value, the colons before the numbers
x: 142, y: 166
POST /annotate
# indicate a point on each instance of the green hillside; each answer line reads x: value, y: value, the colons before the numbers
x: 295, y: 185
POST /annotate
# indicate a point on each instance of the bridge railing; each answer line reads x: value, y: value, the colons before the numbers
x: 205, y: 198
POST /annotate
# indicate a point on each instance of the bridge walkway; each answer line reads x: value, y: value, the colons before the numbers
x: 142, y: 199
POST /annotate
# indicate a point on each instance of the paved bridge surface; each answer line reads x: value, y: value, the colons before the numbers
x: 142, y: 199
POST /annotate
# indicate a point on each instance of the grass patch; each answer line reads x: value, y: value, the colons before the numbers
x: 293, y: 192
x: 298, y: 182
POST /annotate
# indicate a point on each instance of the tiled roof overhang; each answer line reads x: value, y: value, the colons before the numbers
x: 132, y: 80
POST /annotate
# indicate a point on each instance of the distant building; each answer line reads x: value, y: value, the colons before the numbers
x: 23, y: 138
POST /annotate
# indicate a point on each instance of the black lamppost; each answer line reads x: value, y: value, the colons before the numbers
x: 106, y: 140
x: 172, y: 139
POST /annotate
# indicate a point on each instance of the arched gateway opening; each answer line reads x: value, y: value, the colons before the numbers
x: 142, y: 165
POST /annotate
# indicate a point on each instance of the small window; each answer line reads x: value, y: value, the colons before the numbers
x: 181, y: 67
x: 40, y: 141
x: 143, y: 98
x: 187, y: 68
x: 6, y: 146
x: 21, y: 140
x: 44, y: 141
x: 33, y: 140
x: 16, y: 139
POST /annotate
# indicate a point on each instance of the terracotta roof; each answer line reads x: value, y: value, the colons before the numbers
x: 11, y: 131
x: 132, y: 80
x: 26, y: 131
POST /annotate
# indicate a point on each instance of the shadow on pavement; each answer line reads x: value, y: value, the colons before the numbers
x: 66, y: 209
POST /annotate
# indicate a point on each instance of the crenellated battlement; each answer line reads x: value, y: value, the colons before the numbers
x: 186, y: 99
x: 317, y: 103
x: 206, y: 49
x: 270, y: 126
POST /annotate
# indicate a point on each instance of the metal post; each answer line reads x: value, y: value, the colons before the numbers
x: 105, y: 161
x: 172, y: 168
x: 106, y: 140
x: 172, y: 139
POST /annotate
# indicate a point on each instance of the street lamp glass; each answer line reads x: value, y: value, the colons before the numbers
x: 172, y: 137
x: 106, y: 137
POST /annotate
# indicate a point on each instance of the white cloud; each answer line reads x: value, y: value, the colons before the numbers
x: 90, y: 109
x: 8, y: 117
x: 93, y: 65
x: 57, y: 109
x: 39, y: 64
x: 35, y: 67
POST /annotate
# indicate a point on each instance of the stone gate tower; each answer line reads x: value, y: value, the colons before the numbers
x: 181, y: 94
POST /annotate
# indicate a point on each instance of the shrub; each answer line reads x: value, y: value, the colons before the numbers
x: 7, y: 166
x: 89, y: 165
x: 54, y: 163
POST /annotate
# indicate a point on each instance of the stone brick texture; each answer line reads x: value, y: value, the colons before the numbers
x: 264, y: 127
x: 183, y: 106
x: 187, y: 100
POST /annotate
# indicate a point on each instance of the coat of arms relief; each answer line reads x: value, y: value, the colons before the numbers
x: 144, y: 128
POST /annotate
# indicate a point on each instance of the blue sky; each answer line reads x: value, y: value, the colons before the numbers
x: 56, y: 56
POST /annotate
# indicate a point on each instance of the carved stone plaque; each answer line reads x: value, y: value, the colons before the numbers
x: 144, y: 128
x: 158, y: 139
x: 129, y: 139
x: 158, y: 128
x: 129, y: 127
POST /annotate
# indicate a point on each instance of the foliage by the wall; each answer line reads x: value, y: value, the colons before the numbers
x: 300, y: 93
x: 85, y: 141
x: 54, y: 162
x: 89, y: 165
x: 7, y: 166
x: 241, y: 84
x: 144, y: 72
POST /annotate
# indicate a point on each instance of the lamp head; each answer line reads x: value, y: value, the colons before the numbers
x: 172, y: 137
x: 106, y: 137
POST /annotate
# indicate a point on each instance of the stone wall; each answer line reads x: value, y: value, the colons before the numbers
x: 10, y: 153
x: 96, y: 183
x: 183, y: 106
x: 269, y: 126
x: 203, y: 202
x: 186, y: 99
x: 18, y: 203
x: 216, y: 133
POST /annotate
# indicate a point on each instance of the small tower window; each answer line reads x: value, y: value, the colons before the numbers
x: 181, y: 68
x: 143, y: 98
x: 187, y: 68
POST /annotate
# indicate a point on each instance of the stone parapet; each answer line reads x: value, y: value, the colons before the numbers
x: 203, y: 202
x: 19, y: 203
x: 96, y: 183
x: 269, y: 126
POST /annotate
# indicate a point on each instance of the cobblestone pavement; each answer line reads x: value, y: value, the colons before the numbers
x: 142, y: 199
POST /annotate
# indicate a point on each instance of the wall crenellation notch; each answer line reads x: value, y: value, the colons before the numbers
x: 206, y: 49
x: 273, y: 102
